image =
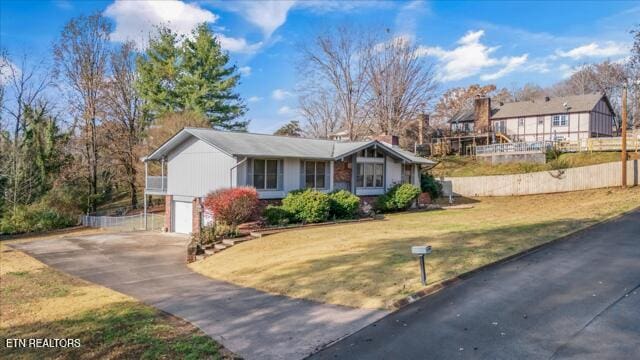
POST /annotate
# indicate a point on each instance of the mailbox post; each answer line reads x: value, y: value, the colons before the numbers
x: 422, y: 251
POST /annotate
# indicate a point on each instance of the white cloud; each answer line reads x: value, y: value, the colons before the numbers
x: 608, y: 49
x: 245, y: 70
x: 471, y: 58
x: 136, y: 20
x: 63, y: 4
x: 267, y: 15
x: 512, y: 64
x: 254, y: 99
x: 280, y: 94
x: 238, y: 45
x: 285, y: 110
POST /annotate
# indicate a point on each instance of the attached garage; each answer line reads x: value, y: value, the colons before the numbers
x: 182, y: 216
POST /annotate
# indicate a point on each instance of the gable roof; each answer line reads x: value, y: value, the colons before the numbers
x: 555, y: 105
x: 262, y: 145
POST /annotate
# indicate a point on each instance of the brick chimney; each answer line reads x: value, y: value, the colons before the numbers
x: 482, y: 113
x: 388, y: 139
x: 423, y: 124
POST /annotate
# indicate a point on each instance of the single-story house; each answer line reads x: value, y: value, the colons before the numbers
x: 197, y: 161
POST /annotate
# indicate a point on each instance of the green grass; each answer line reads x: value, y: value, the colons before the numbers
x: 40, y: 302
x: 456, y: 166
x: 370, y: 265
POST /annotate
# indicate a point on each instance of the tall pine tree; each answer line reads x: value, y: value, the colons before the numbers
x: 191, y: 74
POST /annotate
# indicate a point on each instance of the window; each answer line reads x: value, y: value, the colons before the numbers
x: 314, y: 174
x: 500, y: 126
x: 370, y: 175
x: 521, y: 122
x: 540, y: 120
x: 407, y: 172
x: 560, y: 120
x: 370, y: 153
x: 265, y: 174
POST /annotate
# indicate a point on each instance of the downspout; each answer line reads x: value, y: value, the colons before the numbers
x: 234, y: 167
x: 144, y: 193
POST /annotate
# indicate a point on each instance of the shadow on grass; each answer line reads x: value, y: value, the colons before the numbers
x: 385, y: 270
x: 119, y: 330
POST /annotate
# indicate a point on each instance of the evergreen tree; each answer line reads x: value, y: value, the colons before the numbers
x: 191, y: 74
x: 292, y: 128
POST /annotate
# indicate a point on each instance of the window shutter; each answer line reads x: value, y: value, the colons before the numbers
x: 280, y: 174
x: 249, y: 172
x: 302, y: 180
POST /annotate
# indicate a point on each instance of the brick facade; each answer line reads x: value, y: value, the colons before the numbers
x: 168, y: 202
x: 196, y: 218
x: 342, y: 171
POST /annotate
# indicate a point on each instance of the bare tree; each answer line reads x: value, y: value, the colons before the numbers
x: 335, y: 66
x: 124, y: 121
x: 26, y: 84
x: 606, y: 77
x: 402, y: 85
x: 321, y: 114
x: 81, y: 56
x: 456, y: 99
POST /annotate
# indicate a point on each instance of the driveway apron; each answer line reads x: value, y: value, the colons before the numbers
x: 151, y: 267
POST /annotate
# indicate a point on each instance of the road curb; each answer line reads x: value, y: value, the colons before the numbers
x: 434, y: 288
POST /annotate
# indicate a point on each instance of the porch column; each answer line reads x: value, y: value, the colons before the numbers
x: 162, y: 174
x: 331, y: 171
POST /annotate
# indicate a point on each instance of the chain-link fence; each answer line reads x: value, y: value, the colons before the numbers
x: 154, y: 222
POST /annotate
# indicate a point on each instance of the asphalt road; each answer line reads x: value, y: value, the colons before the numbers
x: 151, y: 267
x: 578, y: 298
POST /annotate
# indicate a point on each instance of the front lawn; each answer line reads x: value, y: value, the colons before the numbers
x: 369, y: 264
x: 37, y: 301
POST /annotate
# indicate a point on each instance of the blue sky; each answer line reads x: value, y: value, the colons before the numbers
x: 505, y: 43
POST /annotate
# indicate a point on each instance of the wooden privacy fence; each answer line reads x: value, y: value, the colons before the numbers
x: 552, y: 181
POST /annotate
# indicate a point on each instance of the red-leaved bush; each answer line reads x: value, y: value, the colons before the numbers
x: 232, y: 206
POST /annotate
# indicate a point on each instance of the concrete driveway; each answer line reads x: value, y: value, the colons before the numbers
x: 578, y: 298
x: 151, y: 267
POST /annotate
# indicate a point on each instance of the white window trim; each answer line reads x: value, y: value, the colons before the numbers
x: 364, y: 175
x: 560, y: 118
x: 253, y: 175
x: 315, y: 174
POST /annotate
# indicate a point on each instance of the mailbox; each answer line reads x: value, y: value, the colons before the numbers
x: 421, y: 250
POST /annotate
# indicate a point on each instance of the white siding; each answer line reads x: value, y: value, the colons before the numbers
x: 195, y: 168
x: 393, y: 174
x: 532, y: 130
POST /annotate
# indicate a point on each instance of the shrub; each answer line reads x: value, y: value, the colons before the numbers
x: 232, y: 207
x: 429, y: 184
x: 343, y: 205
x: 277, y: 215
x: 34, y: 218
x: 399, y: 197
x: 309, y: 206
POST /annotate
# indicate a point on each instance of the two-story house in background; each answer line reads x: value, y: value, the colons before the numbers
x: 550, y: 118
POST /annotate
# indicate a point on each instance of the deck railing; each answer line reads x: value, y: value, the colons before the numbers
x: 156, y: 184
x: 516, y: 147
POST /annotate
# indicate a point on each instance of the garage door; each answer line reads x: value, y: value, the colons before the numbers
x: 182, y: 217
